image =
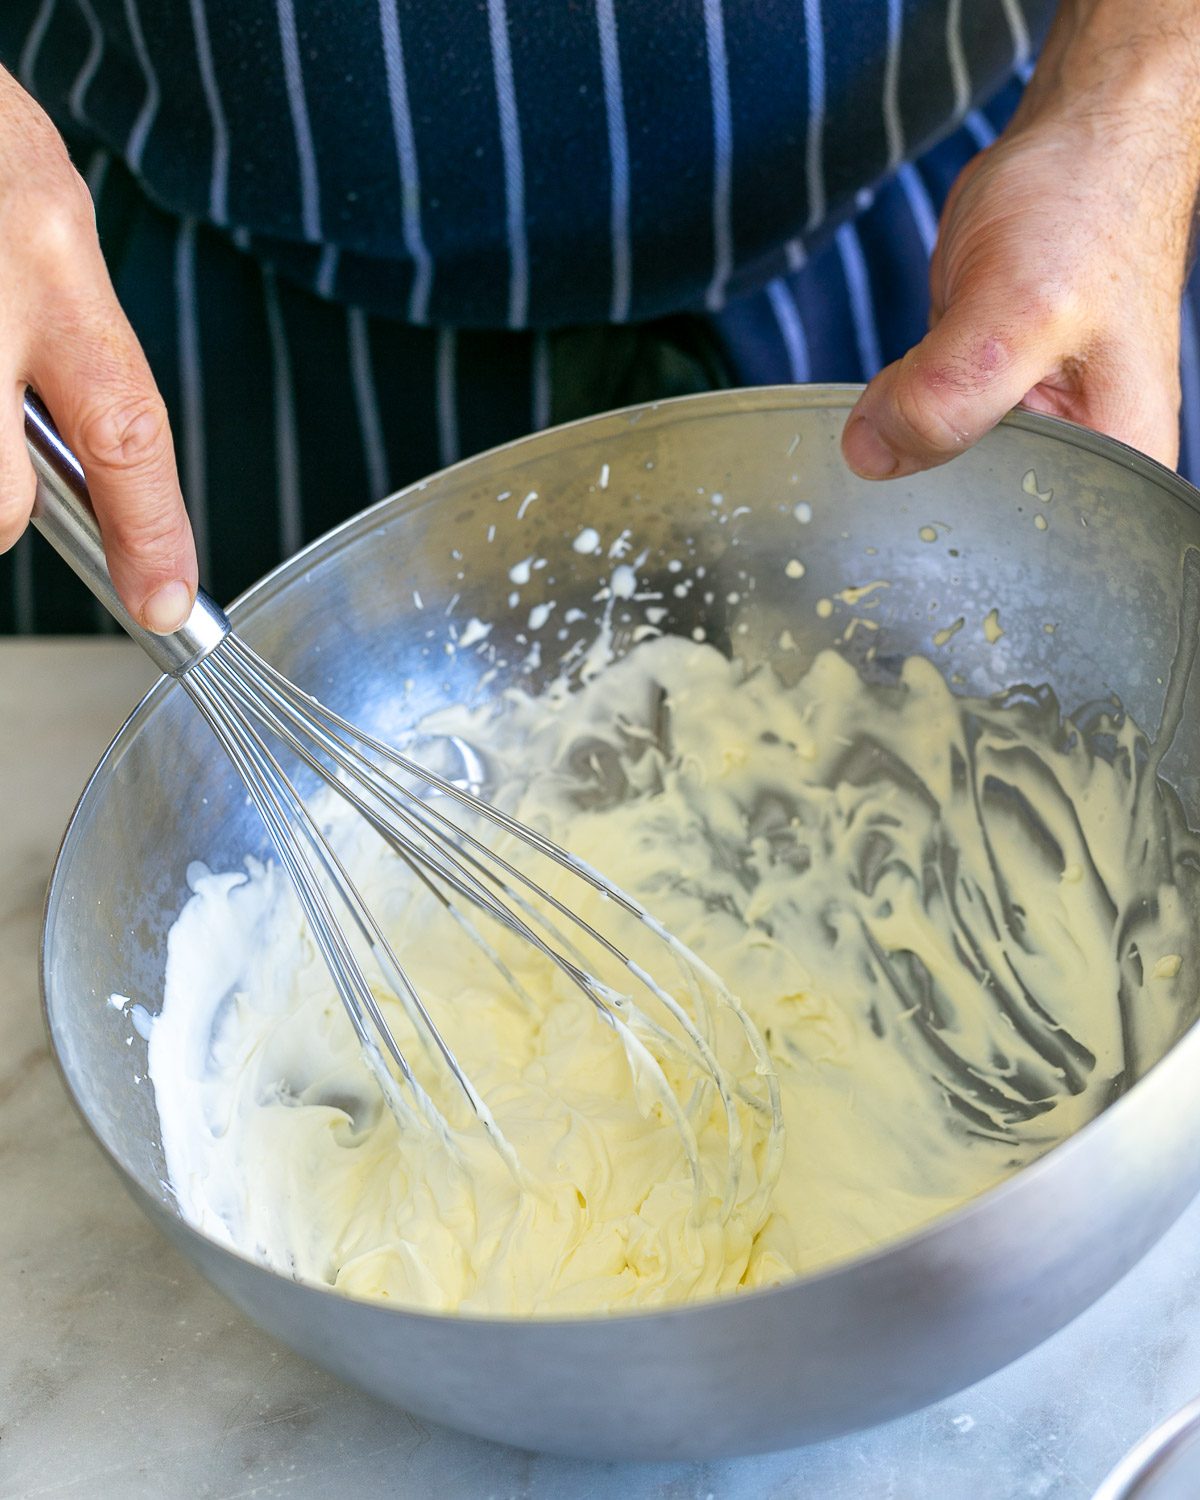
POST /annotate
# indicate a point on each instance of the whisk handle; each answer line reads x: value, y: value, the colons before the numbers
x: 63, y: 513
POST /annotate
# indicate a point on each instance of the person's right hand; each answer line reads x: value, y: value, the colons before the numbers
x: 62, y: 332
x: 1062, y: 254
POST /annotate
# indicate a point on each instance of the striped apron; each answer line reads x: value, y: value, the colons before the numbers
x: 361, y: 240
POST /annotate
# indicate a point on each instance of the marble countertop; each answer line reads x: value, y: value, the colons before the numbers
x: 123, y: 1374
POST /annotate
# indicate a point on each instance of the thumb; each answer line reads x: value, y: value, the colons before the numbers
x: 975, y: 365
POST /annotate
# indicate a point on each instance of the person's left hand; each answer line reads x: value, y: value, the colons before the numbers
x: 1057, y: 277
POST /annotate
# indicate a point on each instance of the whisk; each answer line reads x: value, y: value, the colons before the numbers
x: 247, y: 703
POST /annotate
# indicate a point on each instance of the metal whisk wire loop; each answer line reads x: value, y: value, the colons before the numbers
x: 247, y: 703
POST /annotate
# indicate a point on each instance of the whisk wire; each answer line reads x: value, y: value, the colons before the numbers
x: 282, y: 810
x: 606, y: 1000
x: 273, y: 697
x: 234, y: 686
x: 264, y: 790
x: 294, y: 700
x: 240, y: 695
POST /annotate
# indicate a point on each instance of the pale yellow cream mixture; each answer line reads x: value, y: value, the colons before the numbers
x: 960, y: 926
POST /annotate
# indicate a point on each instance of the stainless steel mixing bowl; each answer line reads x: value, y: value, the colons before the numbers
x: 365, y: 617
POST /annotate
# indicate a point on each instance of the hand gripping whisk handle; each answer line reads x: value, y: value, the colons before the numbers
x: 62, y: 512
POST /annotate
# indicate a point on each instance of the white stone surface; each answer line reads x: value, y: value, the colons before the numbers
x: 123, y: 1374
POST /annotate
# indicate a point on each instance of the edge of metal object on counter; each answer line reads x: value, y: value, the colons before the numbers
x: 855, y: 1344
x: 1151, y: 1459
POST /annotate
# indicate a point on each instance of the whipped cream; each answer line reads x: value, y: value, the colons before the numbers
x: 960, y: 925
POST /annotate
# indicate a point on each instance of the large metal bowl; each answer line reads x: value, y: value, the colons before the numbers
x: 369, y: 608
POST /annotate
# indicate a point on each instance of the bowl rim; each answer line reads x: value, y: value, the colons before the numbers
x: 411, y: 497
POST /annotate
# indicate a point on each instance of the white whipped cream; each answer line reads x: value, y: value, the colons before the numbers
x: 958, y: 924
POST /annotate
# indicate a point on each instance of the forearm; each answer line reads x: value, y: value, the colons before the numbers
x: 1123, y: 77
x: 1124, y: 55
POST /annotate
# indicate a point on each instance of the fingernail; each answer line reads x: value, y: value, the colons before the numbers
x: 866, y: 452
x: 167, y: 608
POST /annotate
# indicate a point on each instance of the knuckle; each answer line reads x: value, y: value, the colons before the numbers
x: 1049, y: 305
x: 125, y: 434
x: 52, y: 222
